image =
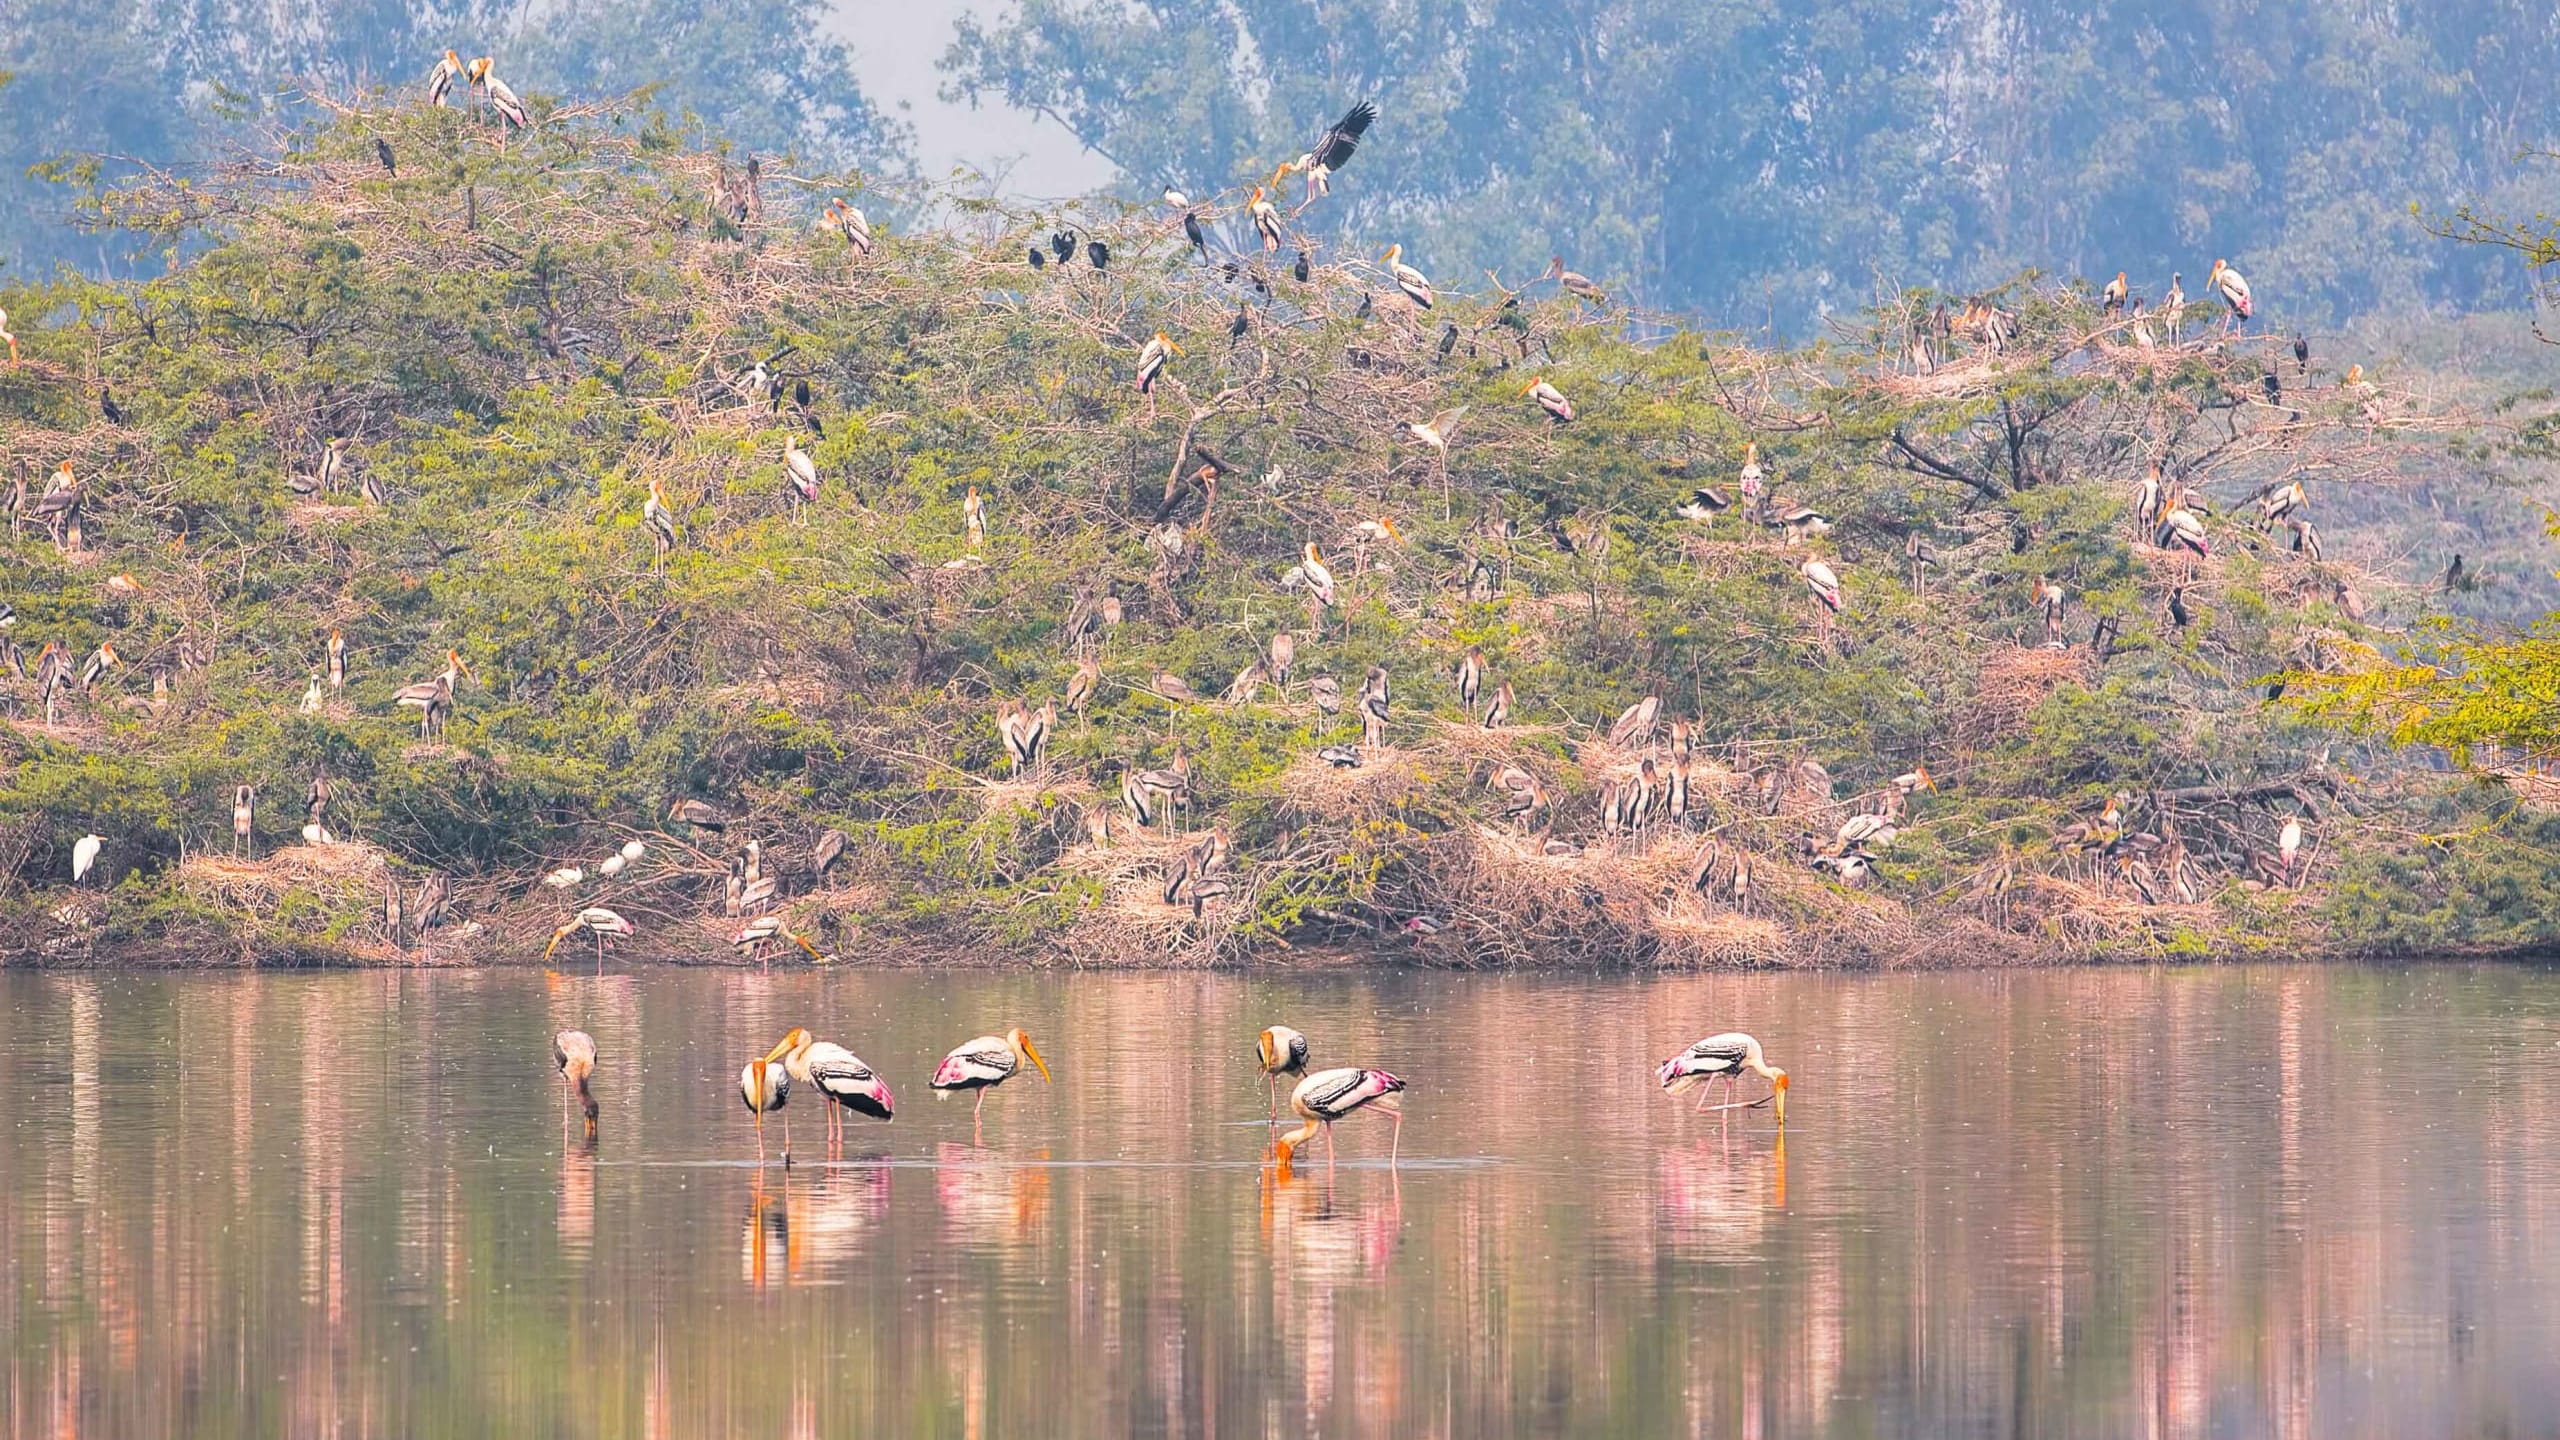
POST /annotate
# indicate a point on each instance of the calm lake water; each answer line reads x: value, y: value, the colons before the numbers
x: 2231, y: 1202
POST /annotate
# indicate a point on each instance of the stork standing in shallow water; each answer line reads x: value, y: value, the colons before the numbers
x: 1724, y: 1057
x: 839, y: 1075
x: 573, y: 1052
x: 985, y: 1063
x: 766, y: 1087
x: 1331, y: 1095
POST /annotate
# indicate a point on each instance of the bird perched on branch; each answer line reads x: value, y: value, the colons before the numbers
x: 502, y: 99
x: 698, y: 815
x: 1823, y: 581
x: 2181, y: 530
x: 1549, y: 399
x: 799, y: 470
x: 1576, y: 285
x: 1498, y: 713
x: 440, y: 82
x: 1152, y: 358
x: 848, y: 220
x: 1434, y: 432
x: 1470, y: 678
x: 662, y: 527
x: 1266, y: 220
x: 2049, y: 598
x: 2234, y: 290
x: 1409, y: 280
x: 1635, y: 724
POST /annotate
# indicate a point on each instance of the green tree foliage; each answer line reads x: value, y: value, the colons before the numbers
x: 131, y: 83
x: 1750, y: 159
x: 521, y: 340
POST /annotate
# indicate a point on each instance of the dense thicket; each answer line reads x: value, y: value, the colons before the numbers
x: 1756, y: 160
x: 521, y: 336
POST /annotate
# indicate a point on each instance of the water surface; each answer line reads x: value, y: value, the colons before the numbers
x: 2233, y: 1202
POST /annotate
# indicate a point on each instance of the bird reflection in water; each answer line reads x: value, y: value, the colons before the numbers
x: 1717, y: 1197
x: 1316, y: 1244
x: 831, y: 1214
x: 767, y: 1256
x: 578, y: 1198
x: 983, y: 1200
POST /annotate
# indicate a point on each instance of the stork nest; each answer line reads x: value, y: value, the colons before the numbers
x: 796, y: 692
x: 1132, y: 926
x: 1384, y: 779
x: 2011, y: 684
x: 1033, y: 792
x: 1976, y: 372
x: 1459, y: 744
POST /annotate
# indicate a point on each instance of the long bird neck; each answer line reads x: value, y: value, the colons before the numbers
x: 1301, y: 1135
x: 578, y: 1070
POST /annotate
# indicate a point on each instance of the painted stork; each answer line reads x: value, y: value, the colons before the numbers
x: 2234, y: 291
x: 1409, y: 280
x: 501, y: 99
x: 2049, y: 597
x: 697, y: 815
x: 440, y: 83
x: 766, y: 1087
x: 1576, y: 285
x: 1750, y: 476
x: 1266, y: 219
x: 1326, y: 693
x: 1373, y: 708
x: 433, y: 699
x: 244, y: 816
x: 1498, y: 714
x: 1332, y: 1095
x: 1798, y: 520
x: 2173, y: 306
x: 1470, y: 678
x: 1549, y: 398
x: 1705, y: 503
x: 839, y: 1075
x: 662, y: 527
x: 1283, y: 1052
x: 1152, y: 358
x: 101, y: 660
x: 1082, y: 684
x: 573, y: 1053
x: 336, y: 664
x: 2181, y: 530
x: 1634, y: 725
x: 756, y: 934
x: 596, y: 920
x: 1317, y: 575
x: 2112, y: 300
x: 333, y: 463
x: 1284, y: 658
x: 1435, y: 431
x: 800, y: 470
x: 1333, y: 149
x: 1724, y: 1057
x: 985, y: 1063
x: 1823, y: 581
x: 2282, y: 503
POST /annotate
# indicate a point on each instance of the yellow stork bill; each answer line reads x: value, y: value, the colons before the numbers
x: 573, y: 1052
x: 800, y: 470
x: 1724, y: 1057
x: 766, y: 1087
x: 2234, y: 290
x: 1751, y: 476
x: 762, y: 931
x: 1549, y: 398
x: 662, y: 526
x: 2112, y: 300
x: 985, y: 1063
x: 1283, y: 1052
x: 433, y: 699
x: 1331, y: 1095
x: 973, y: 518
x: 337, y: 662
x: 1318, y: 576
x: 1822, y: 581
x: 2181, y: 530
x: 596, y: 920
x: 1266, y: 220
x: 1333, y: 149
x: 501, y: 99
x: 1152, y: 358
x: 838, y: 1075
x: 844, y: 216
x: 1409, y: 280
x: 440, y: 84
x: 101, y: 660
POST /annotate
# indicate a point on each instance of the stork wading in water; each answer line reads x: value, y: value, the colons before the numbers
x: 573, y: 1053
x: 1332, y: 1095
x: 985, y: 1063
x: 765, y: 1086
x: 1283, y: 1051
x: 1724, y: 1057
x: 598, y: 921
x: 840, y: 1077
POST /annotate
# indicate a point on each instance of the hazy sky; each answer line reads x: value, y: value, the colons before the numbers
x: 895, y: 44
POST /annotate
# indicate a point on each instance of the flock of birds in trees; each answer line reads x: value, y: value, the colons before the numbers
x: 1659, y: 793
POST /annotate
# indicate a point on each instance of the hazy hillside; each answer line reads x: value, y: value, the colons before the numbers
x: 520, y: 338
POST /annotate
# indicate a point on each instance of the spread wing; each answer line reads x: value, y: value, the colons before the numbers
x: 1334, y: 150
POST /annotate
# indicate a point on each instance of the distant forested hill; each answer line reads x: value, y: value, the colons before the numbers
x: 1758, y: 161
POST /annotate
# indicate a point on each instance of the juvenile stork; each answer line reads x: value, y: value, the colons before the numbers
x: 573, y: 1053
